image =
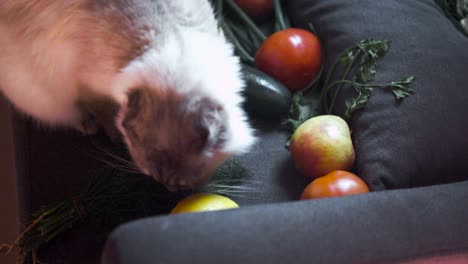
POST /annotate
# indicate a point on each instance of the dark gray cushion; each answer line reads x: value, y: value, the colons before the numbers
x: 379, y: 227
x: 52, y: 166
x: 423, y: 140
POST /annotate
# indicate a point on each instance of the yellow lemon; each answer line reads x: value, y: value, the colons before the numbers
x: 203, y: 202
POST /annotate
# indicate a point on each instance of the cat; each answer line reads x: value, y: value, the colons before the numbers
x: 157, y: 74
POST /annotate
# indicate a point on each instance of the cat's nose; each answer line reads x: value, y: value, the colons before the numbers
x: 182, y: 182
x: 176, y: 184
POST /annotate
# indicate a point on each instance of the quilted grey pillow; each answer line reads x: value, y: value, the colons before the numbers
x: 422, y: 140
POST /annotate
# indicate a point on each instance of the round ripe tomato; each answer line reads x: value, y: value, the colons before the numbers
x: 336, y: 183
x: 292, y: 56
x: 256, y: 9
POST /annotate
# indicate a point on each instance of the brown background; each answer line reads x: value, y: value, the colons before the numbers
x: 8, y: 201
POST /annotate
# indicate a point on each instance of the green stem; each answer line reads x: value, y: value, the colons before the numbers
x: 314, y: 82
x: 32, y: 245
x: 45, y: 230
x: 325, y: 85
x: 219, y: 7
x: 280, y: 15
x: 59, y: 231
x: 246, y: 19
x: 358, y: 84
x: 240, y: 49
x: 242, y: 36
x: 53, y: 209
x: 277, y: 26
x: 339, y: 82
x: 374, y: 85
x: 58, y: 217
x: 345, y: 76
x: 256, y: 42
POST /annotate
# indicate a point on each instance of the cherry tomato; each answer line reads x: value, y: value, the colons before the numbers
x: 256, y: 9
x: 292, y: 56
x: 336, y: 183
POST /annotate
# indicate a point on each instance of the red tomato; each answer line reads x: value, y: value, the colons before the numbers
x: 256, y: 9
x: 336, y: 183
x: 292, y: 56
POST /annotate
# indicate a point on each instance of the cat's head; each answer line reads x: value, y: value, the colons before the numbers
x: 181, y: 114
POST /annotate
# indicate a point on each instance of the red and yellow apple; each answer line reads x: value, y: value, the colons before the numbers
x: 321, y: 145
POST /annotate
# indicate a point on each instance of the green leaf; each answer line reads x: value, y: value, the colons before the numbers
x: 367, y: 52
x: 348, y: 56
x: 372, y: 50
x: 366, y: 72
x: 402, y: 88
x: 359, y: 102
x: 303, y: 107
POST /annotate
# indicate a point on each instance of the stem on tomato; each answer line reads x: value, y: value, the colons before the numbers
x: 246, y: 19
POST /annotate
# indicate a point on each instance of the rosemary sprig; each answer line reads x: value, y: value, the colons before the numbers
x: 113, y: 197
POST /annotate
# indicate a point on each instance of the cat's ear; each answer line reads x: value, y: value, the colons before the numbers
x: 132, y: 111
x: 134, y: 98
x: 134, y: 104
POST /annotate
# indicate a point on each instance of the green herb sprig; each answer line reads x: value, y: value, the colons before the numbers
x: 113, y: 197
x: 369, y: 51
x: 245, y: 34
x: 358, y: 61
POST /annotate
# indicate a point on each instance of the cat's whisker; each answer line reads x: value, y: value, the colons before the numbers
x: 237, y: 188
x: 116, y: 161
x: 115, y: 156
x: 117, y: 166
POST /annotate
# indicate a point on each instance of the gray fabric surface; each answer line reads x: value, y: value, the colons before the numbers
x: 379, y: 227
x: 421, y: 141
x: 274, y: 177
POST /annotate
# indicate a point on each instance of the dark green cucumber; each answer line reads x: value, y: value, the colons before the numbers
x: 265, y: 97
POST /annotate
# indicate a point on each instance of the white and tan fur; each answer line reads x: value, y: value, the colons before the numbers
x: 62, y: 60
